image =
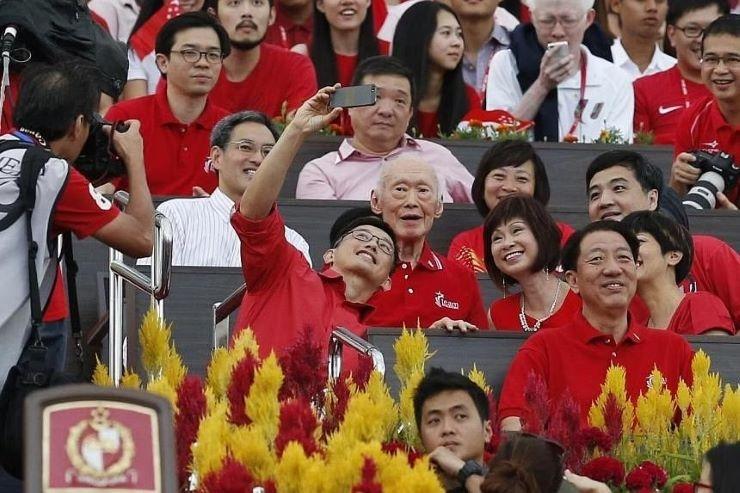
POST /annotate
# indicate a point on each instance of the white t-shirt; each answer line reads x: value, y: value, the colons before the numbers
x: 659, y: 63
x: 202, y: 234
x: 144, y: 69
x: 610, y: 100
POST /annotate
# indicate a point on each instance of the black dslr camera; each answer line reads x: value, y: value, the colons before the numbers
x: 719, y: 174
x: 98, y: 161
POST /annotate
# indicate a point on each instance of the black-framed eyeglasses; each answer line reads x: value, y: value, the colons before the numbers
x: 194, y: 56
x: 246, y: 146
x: 691, y: 31
x: 730, y: 61
x: 365, y: 236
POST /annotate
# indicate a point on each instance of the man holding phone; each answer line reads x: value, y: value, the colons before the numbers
x: 549, y: 76
x: 351, y: 172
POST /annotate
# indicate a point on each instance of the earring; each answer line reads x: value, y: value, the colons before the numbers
x: 503, y: 286
x: 547, y: 274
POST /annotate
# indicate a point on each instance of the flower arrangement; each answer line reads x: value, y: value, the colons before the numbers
x: 272, y: 422
x: 490, y: 125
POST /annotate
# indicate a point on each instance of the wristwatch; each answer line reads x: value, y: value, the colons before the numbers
x: 471, y: 467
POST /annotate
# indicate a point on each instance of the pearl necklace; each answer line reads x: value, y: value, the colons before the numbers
x: 537, y: 323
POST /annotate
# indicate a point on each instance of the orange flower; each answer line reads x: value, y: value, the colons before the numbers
x: 475, y: 123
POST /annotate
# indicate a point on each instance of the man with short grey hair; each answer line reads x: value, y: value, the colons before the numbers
x: 549, y: 76
x: 202, y: 233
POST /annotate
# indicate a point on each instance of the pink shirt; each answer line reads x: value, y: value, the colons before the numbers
x: 348, y: 174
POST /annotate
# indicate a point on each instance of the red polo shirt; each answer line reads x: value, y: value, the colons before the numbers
x: 505, y: 312
x: 703, y: 127
x: 174, y: 153
x: 427, y: 121
x: 576, y: 357
x: 660, y: 101
x: 286, y: 33
x: 435, y: 288
x: 280, y: 75
x: 284, y: 295
x: 699, y: 313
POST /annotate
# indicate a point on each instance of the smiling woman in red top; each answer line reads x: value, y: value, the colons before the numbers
x: 429, y: 41
x: 514, y: 254
x: 666, y: 251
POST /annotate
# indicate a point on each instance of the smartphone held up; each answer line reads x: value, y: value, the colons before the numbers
x: 354, y: 96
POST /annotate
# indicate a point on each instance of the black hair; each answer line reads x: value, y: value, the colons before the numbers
x: 221, y: 133
x: 414, y: 33
x: 509, y: 152
x: 348, y: 222
x: 51, y: 97
x: 723, y: 459
x: 525, y: 463
x: 385, y: 65
x: 572, y: 248
x: 166, y: 36
x: 438, y: 380
x: 345, y: 218
x: 725, y: 25
x: 670, y: 235
x: 322, y: 49
x: 213, y: 5
x: 649, y: 176
x: 677, y: 8
x: 543, y: 226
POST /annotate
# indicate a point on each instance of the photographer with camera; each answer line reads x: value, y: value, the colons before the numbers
x: 707, y: 149
x: 54, y: 117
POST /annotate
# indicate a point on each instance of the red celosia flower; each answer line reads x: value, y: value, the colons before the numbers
x: 613, y: 419
x: 362, y: 374
x: 683, y: 488
x: 233, y: 477
x: 297, y: 424
x: 493, y: 443
x: 593, y: 437
x: 191, y: 407
x: 564, y: 427
x: 646, y: 475
x: 367, y: 483
x: 605, y: 469
x: 537, y: 402
x: 242, y: 378
x: 305, y: 368
x: 392, y: 448
x: 340, y: 389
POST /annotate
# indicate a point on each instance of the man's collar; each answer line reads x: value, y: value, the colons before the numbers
x: 336, y: 281
x: 347, y: 150
x: 589, y: 334
x: 620, y: 56
x: 207, y: 118
x: 222, y: 204
x: 428, y: 259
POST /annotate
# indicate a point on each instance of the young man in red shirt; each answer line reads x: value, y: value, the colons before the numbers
x: 177, y: 120
x: 621, y: 182
x: 662, y: 98
x: 293, y: 25
x: 599, y: 265
x: 713, y: 125
x: 285, y: 296
x: 259, y: 76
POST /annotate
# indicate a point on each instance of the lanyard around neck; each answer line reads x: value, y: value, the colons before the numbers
x: 578, y: 113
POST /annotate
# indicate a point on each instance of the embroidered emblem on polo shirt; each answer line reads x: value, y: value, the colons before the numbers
x: 442, y: 302
x: 649, y: 381
x: 710, y: 146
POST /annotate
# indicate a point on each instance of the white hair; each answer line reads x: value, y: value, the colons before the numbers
x: 386, y: 167
x: 585, y: 5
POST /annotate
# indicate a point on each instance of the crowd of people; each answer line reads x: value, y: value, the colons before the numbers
x: 222, y: 94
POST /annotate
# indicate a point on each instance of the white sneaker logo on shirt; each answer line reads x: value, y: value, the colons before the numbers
x: 668, y: 109
x: 440, y: 301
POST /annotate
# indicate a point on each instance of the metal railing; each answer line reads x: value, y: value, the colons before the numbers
x: 157, y: 285
x: 221, y: 316
x: 341, y: 337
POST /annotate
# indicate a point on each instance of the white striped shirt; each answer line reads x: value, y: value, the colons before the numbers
x: 202, y: 234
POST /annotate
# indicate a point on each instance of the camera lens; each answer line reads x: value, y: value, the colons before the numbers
x: 703, y: 195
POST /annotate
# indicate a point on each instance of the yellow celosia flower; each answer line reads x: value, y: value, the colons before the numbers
x: 363, y: 423
x: 412, y: 352
x: 262, y: 404
x: 154, y: 337
x: 210, y: 448
x: 397, y: 477
x: 130, y: 380
x: 173, y: 369
x: 211, y: 400
x: 101, y: 376
x: 409, y: 433
x: 683, y: 396
x: 479, y: 378
x: 219, y: 372
x: 162, y: 387
x: 248, y: 446
x: 380, y: 395
x: 245, y: 342
x: 296, y: 473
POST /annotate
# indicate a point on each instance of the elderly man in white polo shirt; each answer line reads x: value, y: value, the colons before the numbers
x: 571, y: 94
x: 201, y: 228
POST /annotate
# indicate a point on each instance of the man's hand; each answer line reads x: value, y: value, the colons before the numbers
x: 450, y: 325
x: 446, y: 461
x: 683, y: 173
x: 315, y: 114
x: 129, y: 144
x: 724, y: 203
x: 554, y: 70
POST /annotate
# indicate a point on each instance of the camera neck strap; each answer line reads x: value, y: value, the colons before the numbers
x: 74, y: 308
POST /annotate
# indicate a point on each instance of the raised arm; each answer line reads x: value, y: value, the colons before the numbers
x: 262, y: 193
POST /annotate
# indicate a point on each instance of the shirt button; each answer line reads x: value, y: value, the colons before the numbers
x: 411, y: 291
x: 182, y: 130
x: 608, y: 341
x: 614, y: 355
x: 403, y: 266
x: 184, y: 148
x: 406, y: 276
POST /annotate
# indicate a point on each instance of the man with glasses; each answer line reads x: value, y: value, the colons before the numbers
x: 713, y: 125
x: 285, y: 297
x: 201, y: 232
x: 176, y: 121
x: 571, y: 94
x: 662, y: 98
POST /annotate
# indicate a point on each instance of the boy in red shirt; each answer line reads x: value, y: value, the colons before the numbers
x: 713, y: 125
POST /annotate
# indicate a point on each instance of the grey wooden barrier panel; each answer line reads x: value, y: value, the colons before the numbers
x: 492, y: 353
x: 566, y: 164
